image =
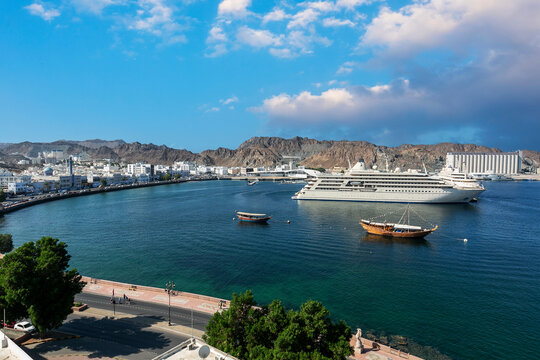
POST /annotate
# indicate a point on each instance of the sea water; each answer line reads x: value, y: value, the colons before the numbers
x: 473, y: 299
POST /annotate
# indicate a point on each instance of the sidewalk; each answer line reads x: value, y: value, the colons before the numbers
x: 383, y: 353
x: 179, y: 299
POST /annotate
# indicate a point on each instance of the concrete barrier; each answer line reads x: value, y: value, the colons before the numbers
x: 10, y: 348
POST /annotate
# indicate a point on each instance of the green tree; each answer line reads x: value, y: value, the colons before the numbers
x: 2, y: 196
x: 103, y: 182
x: 176, y: 176
x: 6, y: 243
x: 269, y: 332
x: 35, y: 282
x: 167, y: 177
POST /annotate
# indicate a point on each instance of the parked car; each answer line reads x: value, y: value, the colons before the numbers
x: 25, y: 326
x: 7, y: 324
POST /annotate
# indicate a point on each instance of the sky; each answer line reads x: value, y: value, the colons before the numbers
x: 200, y: 74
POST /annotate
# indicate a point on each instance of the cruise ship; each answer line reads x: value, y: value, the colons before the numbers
x: 361, y: 184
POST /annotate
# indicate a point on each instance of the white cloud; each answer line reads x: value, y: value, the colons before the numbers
x: 303, y: 18
x: 217, y: 50
x: 343, y: 105
x: 152, y: 16
x: 44, y: 11
x: 310, y: 107
x: 304, y: 42
x: 321, y: 6
x: 156, y: 17
x: 333, y: 22
x: 95, y: 6
x: 350, y: 4
x: 275, y: 15
x: 216, y: 34
x: 212, y: 109
x: 453, y: 24
x: 234, y: 8
x: 379, y: 89
x: 347, y: 67
x: 282, y: 53
x: 228, y: 101
x: 257, y: 38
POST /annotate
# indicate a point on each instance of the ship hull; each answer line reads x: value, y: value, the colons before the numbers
x: 378, y: 230
x: 251, y: 220
x: 451, y: 195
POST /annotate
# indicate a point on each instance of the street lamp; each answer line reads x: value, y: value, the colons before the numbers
x: 169, y: 286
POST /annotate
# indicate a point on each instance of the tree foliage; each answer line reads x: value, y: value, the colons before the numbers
x: 35, y: 282
x: 6, y: 243
x: 2, y: 196
x: 249, y: 332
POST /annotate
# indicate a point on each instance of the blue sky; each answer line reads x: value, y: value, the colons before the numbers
x: 200, y: 74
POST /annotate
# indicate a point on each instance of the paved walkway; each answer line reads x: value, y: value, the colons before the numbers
x: 179, y: 299
x: 382, y: 353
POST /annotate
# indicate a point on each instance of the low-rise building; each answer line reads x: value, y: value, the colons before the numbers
x: 17, y: 188
x: 7, y: 177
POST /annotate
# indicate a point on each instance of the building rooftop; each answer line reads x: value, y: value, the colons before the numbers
x: 194, y: 349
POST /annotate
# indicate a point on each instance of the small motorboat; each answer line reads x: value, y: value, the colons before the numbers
x: 251, y: 217
x: 253, y: 182
x: 399, y: 229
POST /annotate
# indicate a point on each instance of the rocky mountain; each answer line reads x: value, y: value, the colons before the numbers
x: 263, y: 151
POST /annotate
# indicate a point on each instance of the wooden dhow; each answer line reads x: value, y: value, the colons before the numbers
x: 399, y: 229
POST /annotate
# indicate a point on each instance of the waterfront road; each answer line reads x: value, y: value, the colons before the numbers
x: 179, y: 316
x: 137, y: 331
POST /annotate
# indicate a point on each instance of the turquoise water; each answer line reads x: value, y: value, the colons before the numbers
x: 478, y: 299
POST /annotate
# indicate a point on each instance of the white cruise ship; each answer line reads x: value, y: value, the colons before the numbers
x: 360, y: 184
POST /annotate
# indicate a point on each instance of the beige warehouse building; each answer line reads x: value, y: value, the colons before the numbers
x: 482, y: 163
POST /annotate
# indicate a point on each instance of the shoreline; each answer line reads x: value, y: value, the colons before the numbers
x: 211, y: 305
x: 86, y: 192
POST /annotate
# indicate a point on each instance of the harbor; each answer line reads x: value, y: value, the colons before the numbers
x: 382, y: 285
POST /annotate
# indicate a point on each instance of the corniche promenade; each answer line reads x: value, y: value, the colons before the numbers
x: 211, y: 305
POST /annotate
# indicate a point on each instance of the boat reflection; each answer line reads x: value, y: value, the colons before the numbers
x: 352, y: 212
x: 256, y: 224
x: 370, y: 238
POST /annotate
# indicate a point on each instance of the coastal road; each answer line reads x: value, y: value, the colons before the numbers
x: 138, y: 331
x: 179, y: 316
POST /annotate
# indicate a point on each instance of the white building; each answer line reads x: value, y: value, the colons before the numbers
x: 139, y: 168
x: 17, y: 187
x: 7, y: 177
x: 221, y: 170
x: 185, y: 166
x: 485, y: 163
x: 201, y: 170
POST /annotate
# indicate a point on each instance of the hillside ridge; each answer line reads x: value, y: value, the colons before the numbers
x: 262, y: 151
